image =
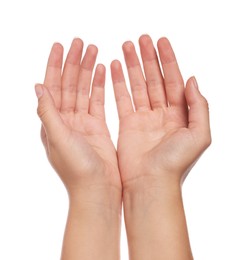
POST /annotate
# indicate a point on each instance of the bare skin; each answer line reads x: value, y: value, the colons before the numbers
x: 79, y: 148
x: 163, y: 132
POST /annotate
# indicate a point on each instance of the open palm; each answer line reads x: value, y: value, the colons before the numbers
x: 74, y: 131
x: 169, y: 128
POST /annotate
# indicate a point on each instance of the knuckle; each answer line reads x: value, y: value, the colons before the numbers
x: 70, y: 88
x: 97, y: 101
x: 204, y: 102
x: 154, y: 83
x: 42, y: 112
x: 122, y: 98
x: 174, y: 83
x: 54, y: 88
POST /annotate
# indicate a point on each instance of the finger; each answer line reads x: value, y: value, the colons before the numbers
x: 97, y: 99
x: 123, y: 99
x: 198, y: 113
x: 70, y: 76
x: 48, y: 112
x: 154, y: 78
x: 53, y: 73
x: 136, y: 77
x: 174, y: 84
x: 85, y: 76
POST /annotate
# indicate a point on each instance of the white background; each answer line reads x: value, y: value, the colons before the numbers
x: 208, y: 39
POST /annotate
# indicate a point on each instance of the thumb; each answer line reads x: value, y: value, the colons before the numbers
x: 47, y: 111
x: 198, y: 113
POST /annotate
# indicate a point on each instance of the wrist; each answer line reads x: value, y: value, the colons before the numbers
x: 154, y: 183
x: 103, y: 199
x: 145, y: 199
x: 92, y: 230
x: 147, y: 196
x: 156, y: 209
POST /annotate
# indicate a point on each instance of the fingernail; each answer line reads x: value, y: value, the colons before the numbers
x: 38, y: 90
x: 194, y: 81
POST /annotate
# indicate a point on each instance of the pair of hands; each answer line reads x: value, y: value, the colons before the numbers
x: 163, y: 131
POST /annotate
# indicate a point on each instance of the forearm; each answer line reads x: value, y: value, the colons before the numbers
x: 156, y: 225
x: 92, y: 232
